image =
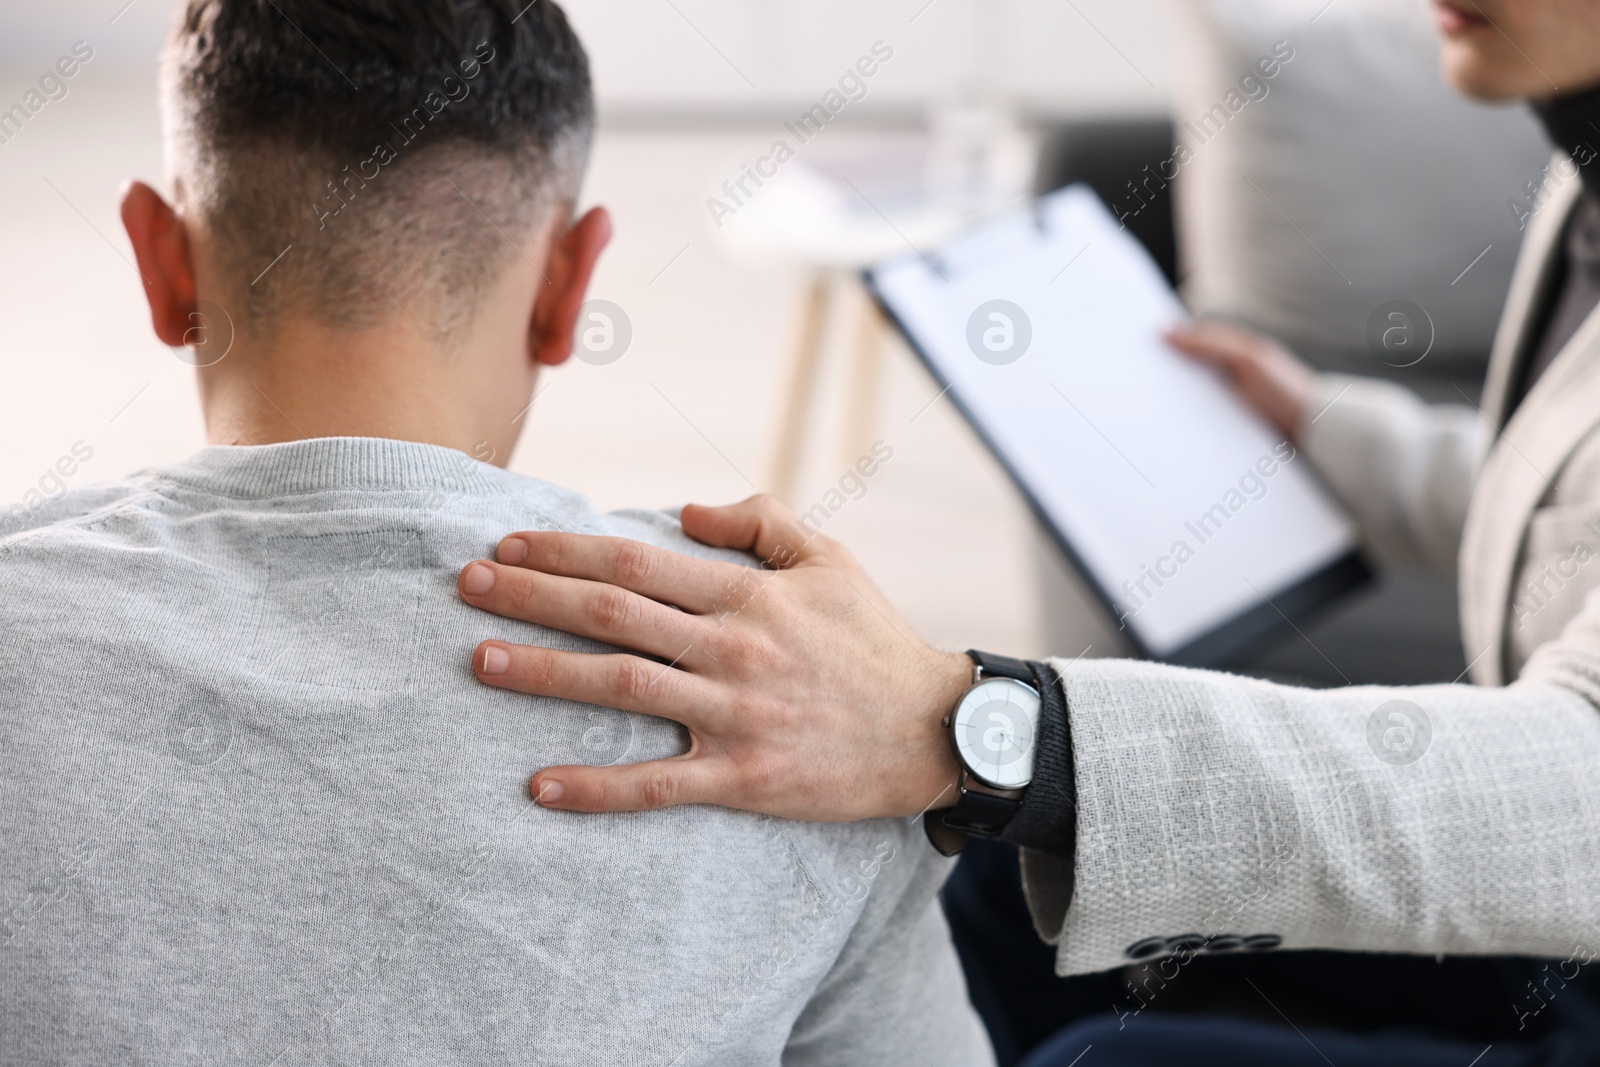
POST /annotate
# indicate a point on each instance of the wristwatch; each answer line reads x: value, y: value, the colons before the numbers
x: 993, y: 729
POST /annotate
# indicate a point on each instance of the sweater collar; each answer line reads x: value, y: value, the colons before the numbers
x: 335, y: 463
x: 1572, y: 121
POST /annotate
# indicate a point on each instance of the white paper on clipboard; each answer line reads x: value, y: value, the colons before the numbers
x: 1186, y: 509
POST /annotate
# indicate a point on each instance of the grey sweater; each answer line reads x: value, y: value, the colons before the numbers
x: 256, y: 810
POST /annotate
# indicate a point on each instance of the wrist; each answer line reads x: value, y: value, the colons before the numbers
x: 1299, y: 382
x: 935, y: 771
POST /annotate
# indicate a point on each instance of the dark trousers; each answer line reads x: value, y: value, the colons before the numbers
x: 1243, y: 1006
x: 1212, y: 1041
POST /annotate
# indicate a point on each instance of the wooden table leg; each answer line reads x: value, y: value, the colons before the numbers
x: 797, y: 402
x: 866, y: 384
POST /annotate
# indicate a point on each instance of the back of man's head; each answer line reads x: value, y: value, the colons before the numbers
x: 404, y: 148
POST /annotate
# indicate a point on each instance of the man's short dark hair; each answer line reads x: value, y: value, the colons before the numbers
x: 404, y: 148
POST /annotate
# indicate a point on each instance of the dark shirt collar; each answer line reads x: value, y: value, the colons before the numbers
x: 1573, y: 123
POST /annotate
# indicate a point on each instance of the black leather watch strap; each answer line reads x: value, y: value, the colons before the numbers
x: 1002, y: 666
x: 981, y: 814
x: 975, y: 814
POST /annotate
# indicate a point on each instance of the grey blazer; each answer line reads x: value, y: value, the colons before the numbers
x: 1219, y: 813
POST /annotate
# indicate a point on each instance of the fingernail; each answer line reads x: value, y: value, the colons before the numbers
x: 477, y: 580
x: 513, y: 550
x: 495, y: 660
x: 547, y: 792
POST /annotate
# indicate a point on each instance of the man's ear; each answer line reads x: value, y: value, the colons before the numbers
x: 569, y: 267
x: 161, y: 246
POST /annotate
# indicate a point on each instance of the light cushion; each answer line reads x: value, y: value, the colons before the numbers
x: 1355, y: 179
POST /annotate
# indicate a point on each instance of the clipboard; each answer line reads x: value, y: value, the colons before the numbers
x: 1201, y: 530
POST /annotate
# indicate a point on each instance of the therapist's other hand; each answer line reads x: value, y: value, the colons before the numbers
x: 804, y: 694
x: 1272, y: 380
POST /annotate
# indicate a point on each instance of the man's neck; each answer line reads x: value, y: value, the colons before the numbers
x: 389, y: 382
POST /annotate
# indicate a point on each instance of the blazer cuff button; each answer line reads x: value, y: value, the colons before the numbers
x: 1150, y: 946
x: 1190, y: 943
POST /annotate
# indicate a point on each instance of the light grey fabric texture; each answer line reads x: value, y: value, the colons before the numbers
x: 1214, y: 804
x: 1436, y: 819
x: 1403, y: 468
x: 257, y: 810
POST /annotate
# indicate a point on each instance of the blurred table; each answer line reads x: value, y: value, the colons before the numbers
x: 839, y: 207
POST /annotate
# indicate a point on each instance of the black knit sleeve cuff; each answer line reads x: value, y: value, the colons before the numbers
x: 1048, y: 818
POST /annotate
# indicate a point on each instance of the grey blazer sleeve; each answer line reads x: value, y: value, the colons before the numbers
x: 1403, y: 468
x: 1436, y: 819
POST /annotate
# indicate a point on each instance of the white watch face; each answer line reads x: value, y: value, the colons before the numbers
x: 995, y: 726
